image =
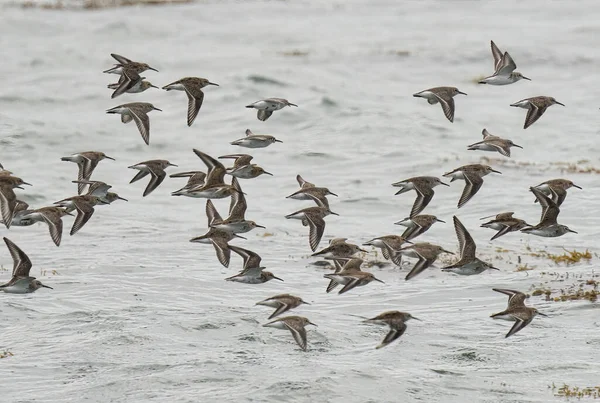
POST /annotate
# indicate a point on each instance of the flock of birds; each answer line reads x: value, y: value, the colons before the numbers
x: 211, y: 184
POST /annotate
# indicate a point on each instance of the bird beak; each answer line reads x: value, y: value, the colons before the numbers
x: 560, y: 103
x: 518, y: 146
x: 304, y: 302
x: 238, y: 236
x: 494, y: 268
x: 154, y: 86
x: 277, y: 278
x: 441, y: 183
x: 46, y: 286
x: 331, y: 193
x: 542, y: 314
x: 447, y: 251
x: 290, y: 104
x: 438, y: 220
x: 122, y: 198
x: 570, y: 230
x: 526, y: 78
x: 156, y: 109
x: 331, y: 212
x: 110, y: 158
x: 152, y: 68
x: 376, y: 279
x: 498, y: 172
x: 460, y: 92
x: 412, y: 317
x: 362, y: 250
x: 575, y: 186
x: 171, y: 165
x: 278, y: 141
x: 28, y: 184
x: 310, y: 323
x: 260, y: 226
x: 209, y: 83
x: 268, y: 173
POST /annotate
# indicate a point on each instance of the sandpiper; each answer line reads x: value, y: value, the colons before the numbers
x: 313, y: 218
x: 21, y: 282
x: 396, y: 321
x: 130, y: 82
x: 423, y: 185
x: 504, y: 223
x: 296, y: 325
x: 417, y: 225
x: 504, y: 66
x: 255, y: 140
x: 350, y: 278
x: 516, y: 311
x: 427, y: 254
x: 125, y: 62
x: 21, y: 210
x: 111, y: 197
x: 350, y: 265
x: 389, y: 243
x: 193, y: 89
x: 547, y: 227
x: 308, y: 191
x: 242, y: 168
x: 473, y: 176
x: 195, y: 179
x: 556, y: 189
x: 156, y: 169
x: 8, y: 199
x: 236, y: 222
x: 216, y: 237
x: 282, y: 303
x: 84, y: 205
x: 537, y: 106
x: 253, y: 272
x: 443, y: 95
x: 96, y: 188
x: 468, y: 264
x: 267, y: 106
x: 51, y: 216
x: 137, y: 111
x: 493, y: 143
x: 214, y: 186
x: 338, y: 249
x: 86, y: 162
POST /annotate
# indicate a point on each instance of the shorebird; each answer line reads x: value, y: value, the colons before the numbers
x: 130, y: 82
x: 195, y: 179
x: 427, y: 254
x: 138, y: 112
x: 308, y: 191
x: 396, y: 321
x: 86, y: 161
x: 423, y: 185
x: 387, y: 244
x: 193, y: 89
x: 468, y: 264
x: 516, y: 311
x: 111, y: 197
x: 8, y: 199
x: 255, y: 140
x: 21, y: 282
x: 242, y: 168
x: 96, y: 188
x: 218, y: 238
x: 504, y: 223
x: 556, y: 189
x: 282, y: 303
x: 547, y: 227
x: 253, y: 272
x: 84, y: 205
x: 236, y: 222
x: 417, y: 225
x: 537, y: 106
x: 267, y: 106
x: 51, y: 216
x: 296, y: 325
x: 493, y: 143
x: 125, y: 62
x: 214, y: 186
x: 21, y: 210
x: 504, y: 66
x: 473, y: 176
x: 350, y: 265
x: 156, y: 169
x: 338, y: 249
x: 443, y: 95
x: 313, y: 218
x: 350, y: 278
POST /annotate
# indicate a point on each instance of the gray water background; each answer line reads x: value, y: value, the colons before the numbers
x: 139, y: 314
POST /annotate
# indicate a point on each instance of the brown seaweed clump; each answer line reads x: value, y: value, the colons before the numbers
x: 577, y: 392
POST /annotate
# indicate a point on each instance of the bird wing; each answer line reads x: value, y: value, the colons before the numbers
x: 466, y: 244
x: 473, y: 183
x: 21, y: 263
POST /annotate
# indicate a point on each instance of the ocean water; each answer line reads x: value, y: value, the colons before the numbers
x: 139, y: 314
